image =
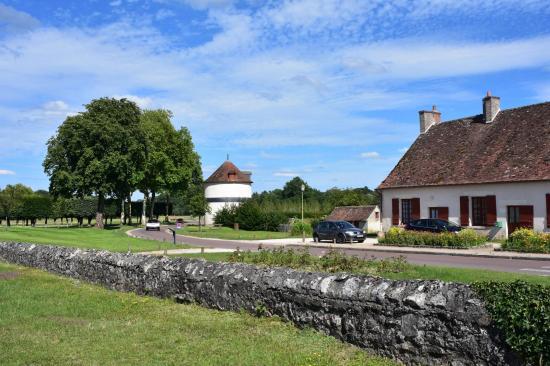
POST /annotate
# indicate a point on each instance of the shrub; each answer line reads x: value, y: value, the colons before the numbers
x: 463, y: 239
x: 527, y: 240
x: 522, y: 312
x: 333, y: 261
x: 298, y: 226
x: 225, y: 216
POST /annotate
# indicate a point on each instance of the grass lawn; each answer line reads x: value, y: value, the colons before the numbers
x: 229, y: 233
x: 113, y: 238
x: 51, y: 320
x: 464, y: 275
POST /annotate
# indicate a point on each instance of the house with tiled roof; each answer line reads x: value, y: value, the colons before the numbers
x: 227, y: 186
x: 364, y: 217
x: 490, y: 172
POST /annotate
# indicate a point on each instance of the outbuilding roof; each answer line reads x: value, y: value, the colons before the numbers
x: 350, y: 213
x: 229, y: 173
x: 514, y: 147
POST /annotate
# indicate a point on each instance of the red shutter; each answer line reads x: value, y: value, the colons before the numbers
x: 491, y: 202
x: 443, y: 213
x: 464, y: 211
x: 415, y: 208
x: 548, y: 210
x: 526, y: 216
x: 395, y: 211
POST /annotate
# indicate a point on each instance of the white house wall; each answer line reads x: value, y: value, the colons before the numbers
x: 227, y: 194
x: 507, y: 194
x: 373, y: 224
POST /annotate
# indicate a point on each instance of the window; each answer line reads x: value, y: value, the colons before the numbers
x: 479, y: 211
x: 377, y: 215
x: 439, y: 213
x: 406, y: 211
x: 433, y: 213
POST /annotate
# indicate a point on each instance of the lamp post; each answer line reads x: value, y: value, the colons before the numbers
x: 303, y: 188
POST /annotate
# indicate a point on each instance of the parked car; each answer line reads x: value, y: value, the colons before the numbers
x: 339, y: 231
x: 433, y: 225
x: 152, y: 224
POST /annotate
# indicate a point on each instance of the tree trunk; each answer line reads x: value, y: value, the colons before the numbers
x: 130, y: 210
x: 144, y: 210
x: 152, y: 206
x: 26, y: 222
x: 46, y: 221
x: 200, y: 229
x: 99, y: 223
x: 122, y: 213
x: 8, y: 221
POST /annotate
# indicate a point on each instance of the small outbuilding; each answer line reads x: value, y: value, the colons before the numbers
x: 227, y: 186
x: 363, y: 217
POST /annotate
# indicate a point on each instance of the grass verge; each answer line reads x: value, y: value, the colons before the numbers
x: 112, y: 238
x: 50, y: 320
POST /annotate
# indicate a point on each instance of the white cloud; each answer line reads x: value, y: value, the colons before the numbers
x: 164, y: 14
x: 206, y: 4
x: 6, y: 172
x: 142, y: 102
x: 12, y: 20
x: 115, y: 3
x: 285, y: 174
x: 403, y: 149
x: 370, y: 155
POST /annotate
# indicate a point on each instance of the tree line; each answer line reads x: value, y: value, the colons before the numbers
x: 113, y: 149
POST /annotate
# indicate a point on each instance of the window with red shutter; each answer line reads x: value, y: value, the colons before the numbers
x: 464, y: 211
x: 395, y: 211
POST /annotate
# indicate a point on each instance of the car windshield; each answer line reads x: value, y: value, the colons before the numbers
x: 447, y: 223
x: 153, y: 221
x: 344, y: 225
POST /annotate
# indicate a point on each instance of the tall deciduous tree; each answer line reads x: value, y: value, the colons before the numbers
x: 96, y: 152
x: 172, y: 164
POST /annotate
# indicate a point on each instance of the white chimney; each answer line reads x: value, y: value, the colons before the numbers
x: 429, y: 118
x: 491, y: 106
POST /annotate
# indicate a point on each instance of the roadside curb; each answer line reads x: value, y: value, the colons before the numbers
x: 401, y: 251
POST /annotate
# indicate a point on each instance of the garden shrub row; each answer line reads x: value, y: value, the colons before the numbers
x: 522, y: 312
x: 527, y: 240
x: 333, y: 261
x: 464, y: 239
x: 249, y: 216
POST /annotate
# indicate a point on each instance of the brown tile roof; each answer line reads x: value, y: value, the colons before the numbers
x: 350, y: 213
x: 229, y: 173
x: 514, y: 147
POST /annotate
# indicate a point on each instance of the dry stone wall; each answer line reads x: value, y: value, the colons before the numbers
x: 416, y: 322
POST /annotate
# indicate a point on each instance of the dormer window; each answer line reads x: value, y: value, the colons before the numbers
x: 232, y: 176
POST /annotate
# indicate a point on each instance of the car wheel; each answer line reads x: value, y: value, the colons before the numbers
x: 146, y: 229
x: 340, y: 238
x: 315, y: 238
x: 361, y: 240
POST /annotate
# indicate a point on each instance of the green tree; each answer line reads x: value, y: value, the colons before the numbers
x: 11, y: 200
x: 197, y: 204
x: 172, y: 165
x: 36, y: 206
x: 96, y: 152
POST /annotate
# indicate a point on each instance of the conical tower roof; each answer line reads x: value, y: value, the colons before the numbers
x: 229, y: 173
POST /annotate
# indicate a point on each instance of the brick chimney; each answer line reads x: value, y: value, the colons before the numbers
x: 429, y: 118
x: 491, y: 106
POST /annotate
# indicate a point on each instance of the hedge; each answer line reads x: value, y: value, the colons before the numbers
x: 249, y: 216
x: 522, y: 312
x: 463, y: 239
x: 527, y: 240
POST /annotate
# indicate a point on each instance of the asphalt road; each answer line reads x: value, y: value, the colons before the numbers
x: 527, y: 266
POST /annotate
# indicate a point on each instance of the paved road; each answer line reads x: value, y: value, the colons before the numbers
x: 528, y: 266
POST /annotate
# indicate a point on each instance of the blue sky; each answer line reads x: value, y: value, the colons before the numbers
x: 324, y: 89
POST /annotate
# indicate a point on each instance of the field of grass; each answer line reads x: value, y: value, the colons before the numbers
x: 229, y: 233
x: 113, y: 238
x: 464, y: 275
x: 51, y: 320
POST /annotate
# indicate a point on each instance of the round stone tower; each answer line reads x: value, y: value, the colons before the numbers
x: 228, y: 185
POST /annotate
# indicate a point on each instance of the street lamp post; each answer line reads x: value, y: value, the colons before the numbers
x: 303, y: 188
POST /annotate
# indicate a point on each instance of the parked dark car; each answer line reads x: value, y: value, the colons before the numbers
x: 339, y: 231
x: 433, y: 225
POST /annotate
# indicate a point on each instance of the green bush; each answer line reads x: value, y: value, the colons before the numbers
x: 298, y: 226
x: 225, y: 216
x: 527, y: 240
x: 522, y: 312
x: 333, y: 261
x: 464, y: 239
